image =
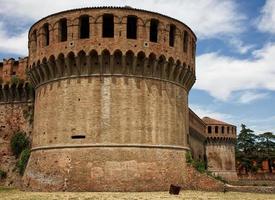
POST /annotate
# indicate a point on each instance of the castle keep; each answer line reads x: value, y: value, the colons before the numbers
x: 111, y: 103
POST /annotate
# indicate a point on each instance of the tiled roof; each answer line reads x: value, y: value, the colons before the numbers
x: 211, y: 121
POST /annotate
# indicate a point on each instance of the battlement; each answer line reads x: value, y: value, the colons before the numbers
x: 10, y: 68
x: 12, y: 93
x: 217, y: 130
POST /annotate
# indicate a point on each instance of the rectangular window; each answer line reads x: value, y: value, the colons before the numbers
x: 108, y: 26
x: 185, y: 41
x: 132, y: 27
x: 172, y: 35
x: 154, y: 30
x: 63, y: 30
x: 47, y: 34
x: 209, y: 129
x: 84, y: 27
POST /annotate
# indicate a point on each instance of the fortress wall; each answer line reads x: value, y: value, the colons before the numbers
x: 197, y: 136
x: 221, y: 159
x: 197, y: 145
x: 13, y: 117
x: 144, y: 122
x: 112, y: 111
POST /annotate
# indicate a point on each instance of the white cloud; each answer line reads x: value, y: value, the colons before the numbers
x: 249, y: 96
x: 208, y: 18
x: 221, y: 75
x: 239, y: 46
x: 15, y: 45
x: 208, y: 112
x: 266, y: 22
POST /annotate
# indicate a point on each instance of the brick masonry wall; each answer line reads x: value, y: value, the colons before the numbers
x: 110, y: 111
x: 221, y: 159
x: 13, y: 117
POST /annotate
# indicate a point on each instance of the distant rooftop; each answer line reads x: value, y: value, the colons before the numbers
x: 209, y: 120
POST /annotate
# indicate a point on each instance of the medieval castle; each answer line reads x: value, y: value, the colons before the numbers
x: 109, y: 90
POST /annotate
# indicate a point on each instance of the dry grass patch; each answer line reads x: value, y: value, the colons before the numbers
x: 7, y: 194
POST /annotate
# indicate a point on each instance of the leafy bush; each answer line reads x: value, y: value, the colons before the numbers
x: 23, y: 161
x: 15, y: 80
x: 19, y: 142
x: 199, y: 165
x: 2, y: 174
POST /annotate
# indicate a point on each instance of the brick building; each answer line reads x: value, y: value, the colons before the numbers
x: 111, y: 103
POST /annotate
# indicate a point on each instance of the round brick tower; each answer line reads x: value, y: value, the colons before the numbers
x: 111, y: 100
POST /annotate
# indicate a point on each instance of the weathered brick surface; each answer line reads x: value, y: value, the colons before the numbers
x: 12, y: 119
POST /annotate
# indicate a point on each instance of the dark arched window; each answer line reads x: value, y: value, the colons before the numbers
x: 154, y: 30
x: 46, y: 34
x: 228, y: 129
x: 108, y: 26
x: 222, y: 129
x: 209, y: 129
x: 63, y: 30
x: 216, y: 129
x: 185, y: 41
x: 172, y: 35
x: 132, y: 27
x: 84, y: 27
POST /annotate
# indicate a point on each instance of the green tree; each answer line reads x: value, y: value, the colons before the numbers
x: 266, y: 148
x: 19, y: 142
x: 246, y: 149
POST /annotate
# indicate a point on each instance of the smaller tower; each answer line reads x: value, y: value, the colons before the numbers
x: 220, y: 148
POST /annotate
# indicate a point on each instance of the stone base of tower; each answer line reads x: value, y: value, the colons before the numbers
x: 227, y: 175
x: 105, y: 169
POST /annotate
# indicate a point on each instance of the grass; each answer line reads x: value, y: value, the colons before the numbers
x: 7, y: 193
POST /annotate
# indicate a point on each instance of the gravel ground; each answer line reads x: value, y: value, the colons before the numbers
x: 12, y: 194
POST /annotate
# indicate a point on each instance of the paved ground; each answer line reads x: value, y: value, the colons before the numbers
x: 186, y: 195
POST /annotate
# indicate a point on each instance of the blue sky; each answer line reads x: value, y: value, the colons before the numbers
x: 235, y: 50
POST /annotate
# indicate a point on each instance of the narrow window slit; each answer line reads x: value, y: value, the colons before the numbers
x: 172, y: 35
x: 78, y: 136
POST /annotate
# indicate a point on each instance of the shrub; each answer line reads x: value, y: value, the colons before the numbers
x: 23, y: 161
x: 19, y: 142
x: 2, y: 174
x: 15, y: 80
x: 199, y: 165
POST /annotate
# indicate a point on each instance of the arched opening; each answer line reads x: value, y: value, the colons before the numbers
x: 82, y: 63
x: 105, y: 62
x: 84, y: 27
x: 185, y: 41
x: 154, y: 30
x: 228, y: 129
x: 140, y: 63
x: 60, y: 65
x: 222, y: 129
x: 131, y: 27
x: 108, y: 26
x: 129, y: 62
x: 172, y: 35
x: 151, y: 64
x: 46, y: 34
x: 94, y: 68
x: 63, y: 30
x: 117, y: 62
x: 70, y: 64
